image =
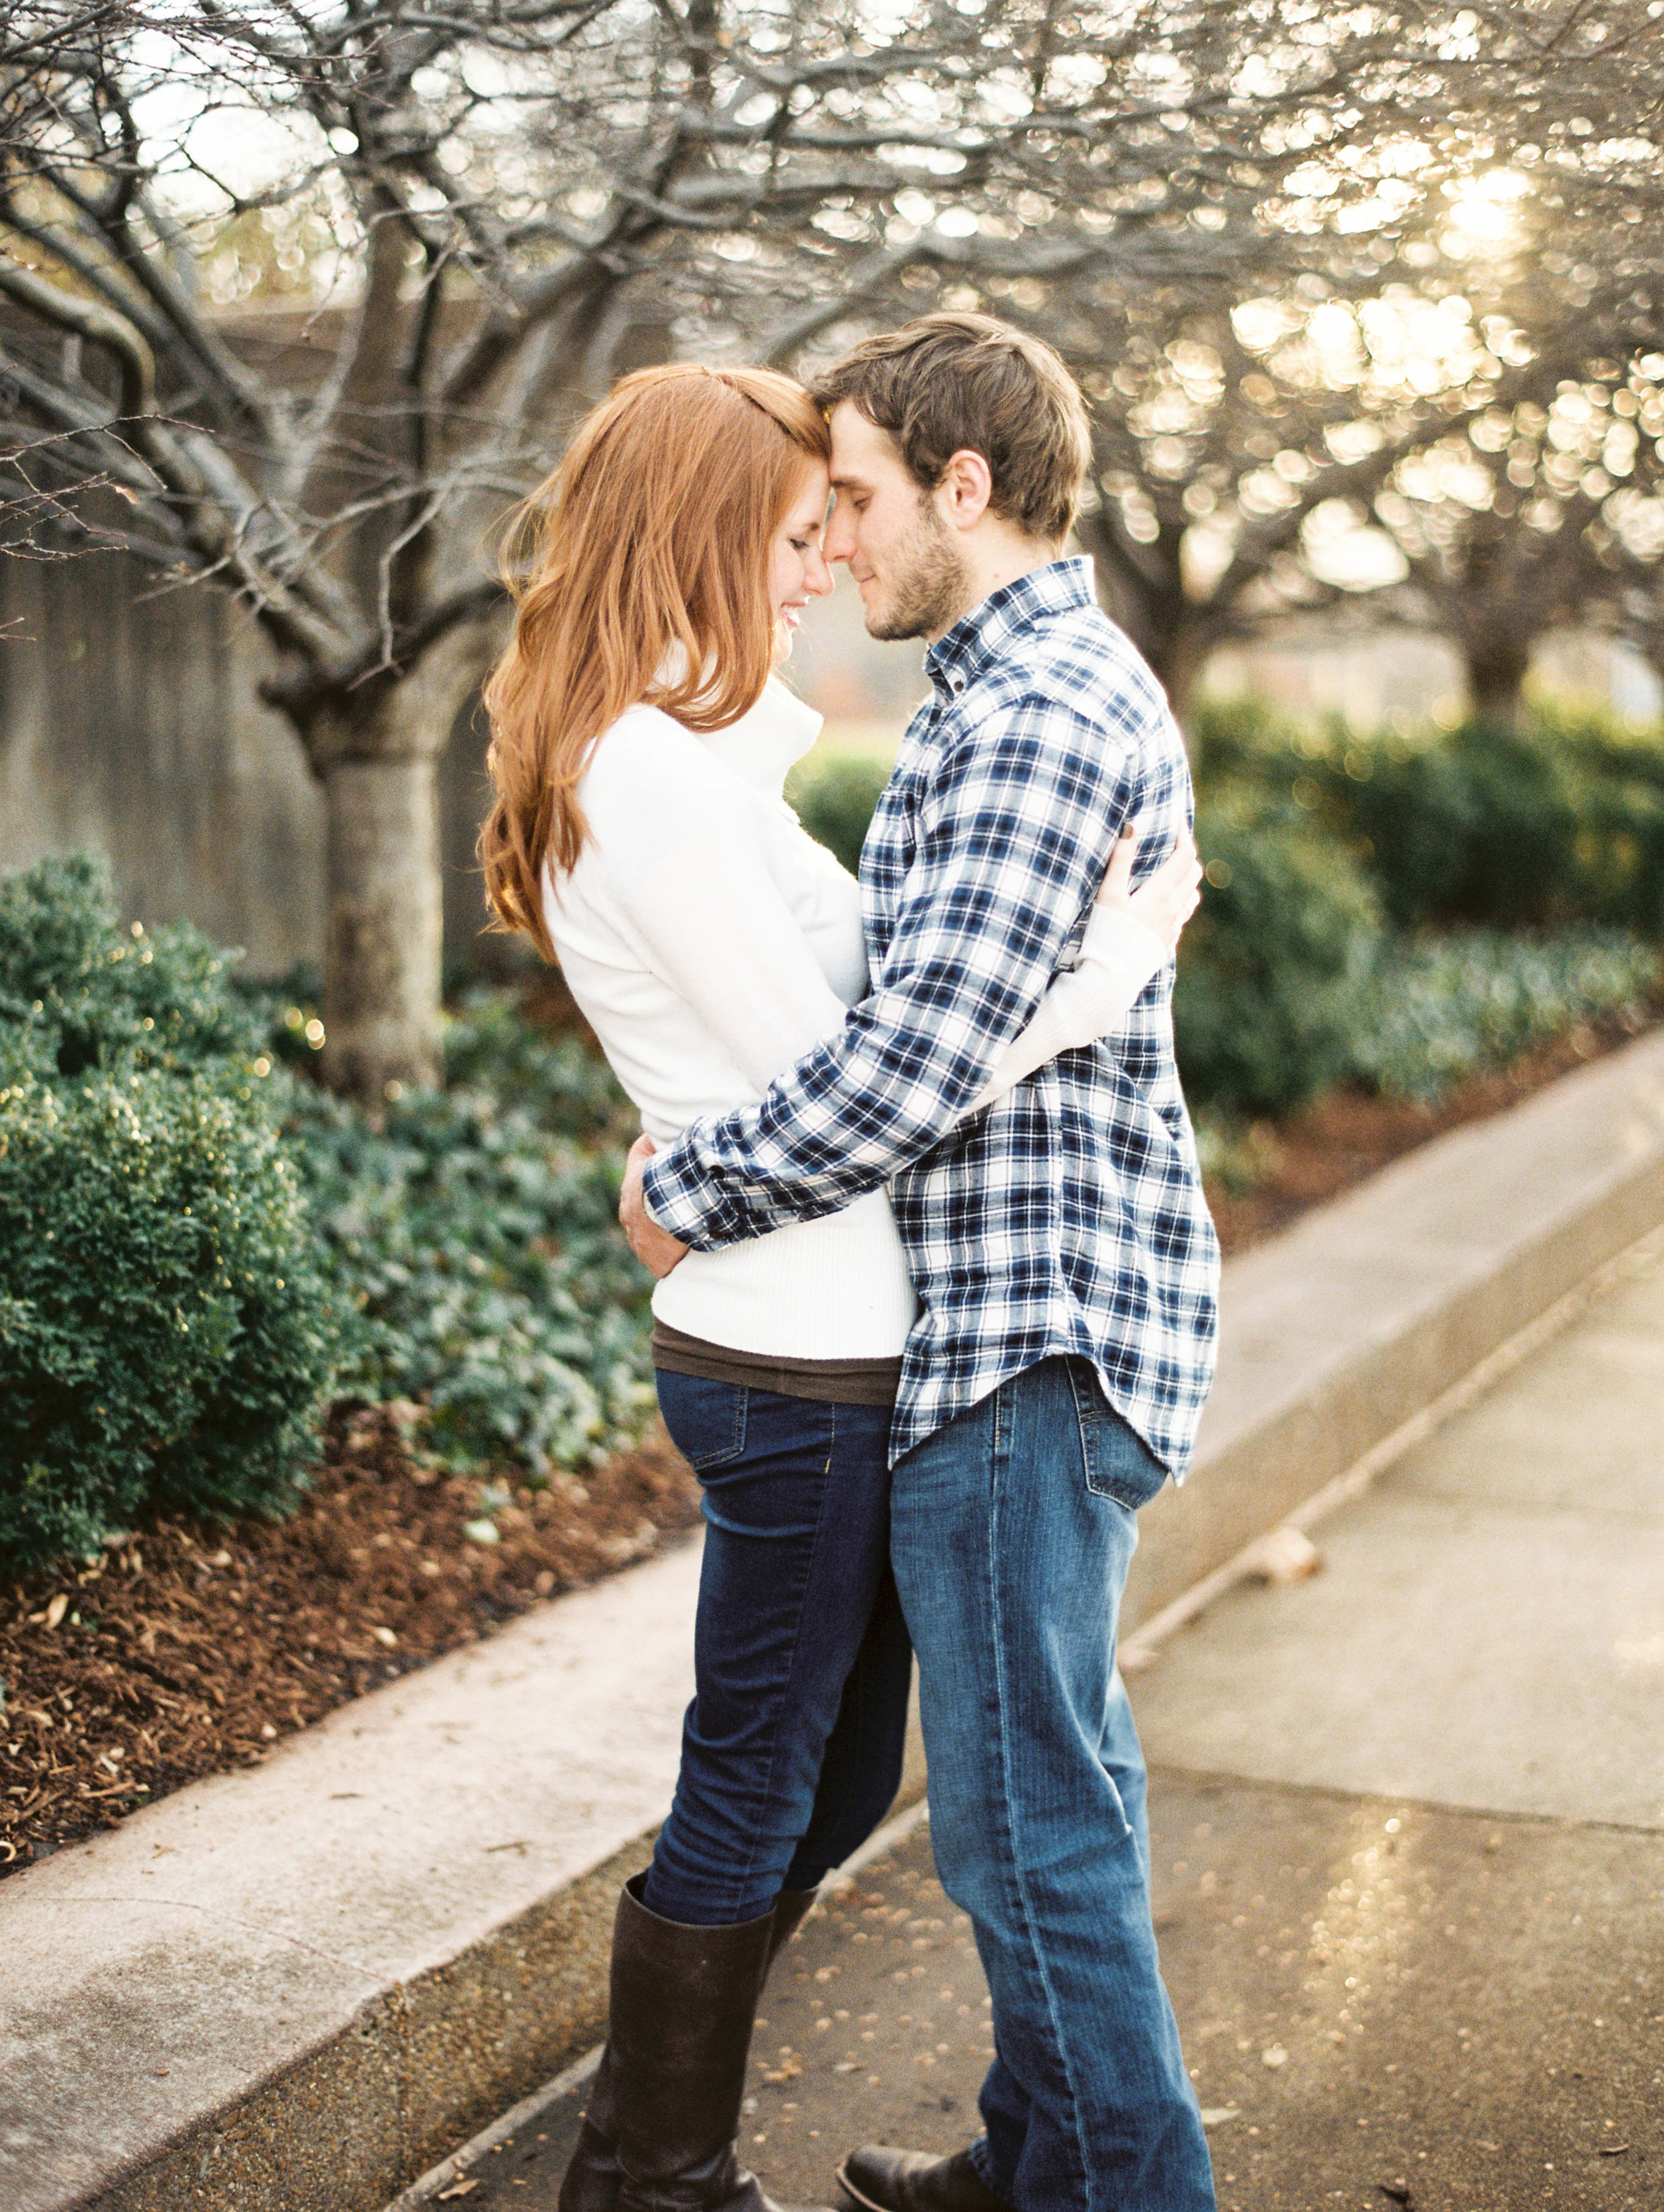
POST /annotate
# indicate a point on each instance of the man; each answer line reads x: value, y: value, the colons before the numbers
x: 1059, y: 1244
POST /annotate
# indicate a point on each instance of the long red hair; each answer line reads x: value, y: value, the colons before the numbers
x: 652, y: 534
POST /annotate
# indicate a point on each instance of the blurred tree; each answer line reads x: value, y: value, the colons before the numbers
x: 1240, y: 456
x: 1529, y: 520
x: 1445, y: 419
x: 1310, y: 426
x: 297, y: 298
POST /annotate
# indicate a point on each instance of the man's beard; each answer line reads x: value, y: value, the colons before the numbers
x: 930, y: 590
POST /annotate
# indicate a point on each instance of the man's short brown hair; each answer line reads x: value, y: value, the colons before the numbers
x: 951, y: 382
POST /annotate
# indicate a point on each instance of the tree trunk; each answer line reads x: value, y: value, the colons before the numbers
x: 375, y: 751
x: 1177, y: 663
x: 1497, y: 664
x: 386, y: 926
x: 1147, y: 599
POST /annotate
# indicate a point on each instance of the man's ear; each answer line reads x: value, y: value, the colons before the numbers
x: 967, y: 486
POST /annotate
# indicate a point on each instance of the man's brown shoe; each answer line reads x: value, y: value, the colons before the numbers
x: 886, y: 2180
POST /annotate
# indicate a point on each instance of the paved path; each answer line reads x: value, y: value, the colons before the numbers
x: 1408, y: 1834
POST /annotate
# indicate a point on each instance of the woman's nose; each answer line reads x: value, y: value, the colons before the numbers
x: 816, y: 576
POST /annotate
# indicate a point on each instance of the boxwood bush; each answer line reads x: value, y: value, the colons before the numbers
x: 1272, y: 964
x: 167, y: 1330
x: 1391, y: 911
x: 196, y: 1243
x: 1557, y: 822
x: 835, y: 799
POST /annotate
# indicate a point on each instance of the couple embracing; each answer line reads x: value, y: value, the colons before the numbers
x: 936, y: 1299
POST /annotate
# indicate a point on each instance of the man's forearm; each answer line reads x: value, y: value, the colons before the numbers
x: 1012, y: 844
x: 840, y: 1124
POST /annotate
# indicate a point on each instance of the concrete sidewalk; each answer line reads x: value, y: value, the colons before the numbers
x: 1408, y: 1835
x: 291, y: 1989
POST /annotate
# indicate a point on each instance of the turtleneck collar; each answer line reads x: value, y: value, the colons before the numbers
x: 765, y: 742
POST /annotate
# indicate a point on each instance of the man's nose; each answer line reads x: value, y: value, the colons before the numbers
x: 839, y: 542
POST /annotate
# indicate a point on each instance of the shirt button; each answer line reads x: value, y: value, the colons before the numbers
x: 956, y: 684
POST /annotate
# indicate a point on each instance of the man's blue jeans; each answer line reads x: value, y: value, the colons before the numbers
x: 792, y: 1749
x: 1011, y: 1531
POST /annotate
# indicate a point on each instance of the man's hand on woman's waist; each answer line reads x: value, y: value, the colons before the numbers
x: 655, y: 1248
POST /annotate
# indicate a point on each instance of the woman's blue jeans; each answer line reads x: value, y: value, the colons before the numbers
x: 1012, y: 1530
x: 792, y: 1749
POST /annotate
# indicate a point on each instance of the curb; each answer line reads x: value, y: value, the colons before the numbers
x: 879, y: 1845
x: 1370, y: 1310
x: 304, y: 1986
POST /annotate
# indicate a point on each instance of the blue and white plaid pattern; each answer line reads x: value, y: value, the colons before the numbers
x: 1069, y: 1216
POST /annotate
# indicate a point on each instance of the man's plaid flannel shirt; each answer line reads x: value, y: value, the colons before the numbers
x: 1068, y: 1217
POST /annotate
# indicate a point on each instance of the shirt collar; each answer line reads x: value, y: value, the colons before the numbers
x: 960, y: 656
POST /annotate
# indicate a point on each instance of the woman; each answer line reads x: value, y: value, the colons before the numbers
x: 640, y: 836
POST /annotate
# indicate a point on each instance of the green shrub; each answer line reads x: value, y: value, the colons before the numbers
x: 103, y: 997
x: 561, y: 1082
x: 166, y: 1331
x: 472, y: 1233
x: 1430, y: 1013
x: 835, y: 800
x: 1480, y: 825
x: 1271, y: 966
x: 1557, y: 822
x: 165, y: 1335
x: 1241, y: 741
x: 481, y: 1254
x: 1621, y: 836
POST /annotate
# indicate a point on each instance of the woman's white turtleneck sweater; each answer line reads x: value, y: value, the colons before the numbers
x: 710, y: 943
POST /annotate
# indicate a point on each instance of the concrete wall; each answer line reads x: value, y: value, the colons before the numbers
x: 131, y: 724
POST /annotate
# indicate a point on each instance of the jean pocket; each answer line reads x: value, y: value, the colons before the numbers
x: 706, y: 1418
x: 1119, y: 1463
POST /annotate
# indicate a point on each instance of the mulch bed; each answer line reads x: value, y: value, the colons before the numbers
x: 185, y: 1651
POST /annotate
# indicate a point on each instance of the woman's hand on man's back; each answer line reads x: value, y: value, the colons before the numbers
x: 1165, y: 901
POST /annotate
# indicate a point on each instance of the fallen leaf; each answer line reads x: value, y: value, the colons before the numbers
x: 55, y: 1611
x: 1610, y: 2150
x: 1215, y: 2116
x: 480, y: 1532
x: 1273, y: 2056
x: 386, y: 1636
x: 457, y: 2189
